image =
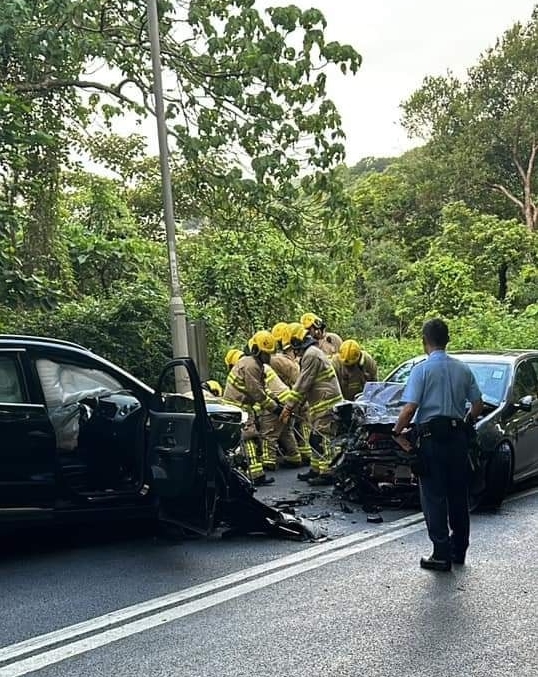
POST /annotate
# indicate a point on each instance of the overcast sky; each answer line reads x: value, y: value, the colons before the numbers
x: 402, y: 41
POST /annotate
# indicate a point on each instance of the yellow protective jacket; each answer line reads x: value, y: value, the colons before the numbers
x: 317, y: 383
x: 275, y: 386
x: 245, y: 385
x: 330, y: 343
x: 286, y: 367
x: 352, y: 378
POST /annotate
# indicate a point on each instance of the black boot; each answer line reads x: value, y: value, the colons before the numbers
x: 308, y: 475
x: 435, y: 564
x: 321, y: 481
x: 263, y: 481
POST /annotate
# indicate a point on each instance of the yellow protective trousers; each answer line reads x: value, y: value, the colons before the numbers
x: 320, y: 440
x: 250, y: 438
x: 275, y: 434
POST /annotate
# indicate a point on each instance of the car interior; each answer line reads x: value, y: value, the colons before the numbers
x: 99, y: 427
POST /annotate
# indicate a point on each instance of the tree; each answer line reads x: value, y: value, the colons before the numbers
x: 485, y: 128
x: 240, y: 83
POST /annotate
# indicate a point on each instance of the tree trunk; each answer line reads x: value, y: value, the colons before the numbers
x: 503, y: 281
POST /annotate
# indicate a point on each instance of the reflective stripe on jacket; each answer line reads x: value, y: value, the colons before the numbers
x: 245, y: 385
x: 317, y: 383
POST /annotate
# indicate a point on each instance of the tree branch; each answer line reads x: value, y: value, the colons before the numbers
x: 501, y: 189
x: 51, y: 84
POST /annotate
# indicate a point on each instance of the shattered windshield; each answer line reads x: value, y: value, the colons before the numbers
x: 380, y: 402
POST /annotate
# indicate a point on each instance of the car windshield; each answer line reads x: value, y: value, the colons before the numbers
x: 492, y: 379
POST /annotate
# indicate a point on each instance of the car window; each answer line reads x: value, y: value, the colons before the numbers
x: 63, y: 383
x: 525, y: 381
x: 401, y: 375
x: 492, y: 379
x: 11, y: 390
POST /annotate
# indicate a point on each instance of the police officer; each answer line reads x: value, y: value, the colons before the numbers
x: 436, y: 394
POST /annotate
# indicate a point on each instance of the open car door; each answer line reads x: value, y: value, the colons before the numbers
x: 182, y: 449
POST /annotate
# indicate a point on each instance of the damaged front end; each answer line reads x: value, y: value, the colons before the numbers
x: 238, y: 510
x: 370, y: 468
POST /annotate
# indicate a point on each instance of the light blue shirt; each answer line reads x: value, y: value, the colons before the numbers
x: 440, y: 386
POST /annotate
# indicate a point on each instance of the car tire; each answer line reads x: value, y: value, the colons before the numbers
x: 498, y: 476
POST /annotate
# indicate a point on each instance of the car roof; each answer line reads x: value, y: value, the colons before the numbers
x: 65, y: 348
x: 24, y: 340
x: 510, y: 356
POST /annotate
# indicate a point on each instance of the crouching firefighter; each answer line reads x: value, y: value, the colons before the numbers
x: 245, y: 388
x: 318, y: 385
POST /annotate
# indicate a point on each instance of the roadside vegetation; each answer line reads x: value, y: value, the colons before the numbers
x: 449, y: 228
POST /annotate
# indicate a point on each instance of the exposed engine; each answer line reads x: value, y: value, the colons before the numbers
x: 370, y: 467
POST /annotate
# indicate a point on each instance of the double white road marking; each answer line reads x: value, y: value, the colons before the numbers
x: 44, y: 650
x: 53, y: 647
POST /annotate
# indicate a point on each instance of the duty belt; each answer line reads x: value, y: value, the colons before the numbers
x: 450, y: 423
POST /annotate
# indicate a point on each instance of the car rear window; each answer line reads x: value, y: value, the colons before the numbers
x: 10, y: 384
x: 492, y: 379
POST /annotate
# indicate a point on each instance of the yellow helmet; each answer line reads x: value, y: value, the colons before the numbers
x: 262, y: 342
x: 278, y: 330
x: 295, y: 333
x: 232, y: 357
x: 214, y: 388
x: 312, y: 320
x: 350, y: 352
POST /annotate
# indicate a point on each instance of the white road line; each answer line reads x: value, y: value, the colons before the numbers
x: 207, y: 595
x: 52, y: 656
x: 127, y: 613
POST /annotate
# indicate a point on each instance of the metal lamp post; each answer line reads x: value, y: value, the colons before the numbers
x: 177, y: 308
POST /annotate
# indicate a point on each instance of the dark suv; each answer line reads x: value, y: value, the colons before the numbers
x: 81, y: 439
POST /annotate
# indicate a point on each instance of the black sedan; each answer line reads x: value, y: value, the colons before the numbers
x: 83, y: 440
x: 506, y: 448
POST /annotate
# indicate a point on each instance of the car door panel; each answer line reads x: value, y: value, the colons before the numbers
x: 524, y: 424
x: 28, y: 443
x: 182, y: 453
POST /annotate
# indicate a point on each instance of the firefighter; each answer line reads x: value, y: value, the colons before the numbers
x: 232, y: 357
x: 275, y: 433
x: 329, y: 342
x: 287, y: 368
x: 318, y: 385
x: 213, y: 388
x: 283, y: 361
x: 245, y: 387
x: 353, y: 367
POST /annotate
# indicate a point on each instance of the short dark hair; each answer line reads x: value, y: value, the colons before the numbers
x: 435, y: 333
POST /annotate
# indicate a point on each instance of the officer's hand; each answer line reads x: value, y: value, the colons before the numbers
x: 279, y: 408
x: 285, y: 415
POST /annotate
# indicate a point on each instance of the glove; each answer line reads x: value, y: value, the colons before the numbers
x: 278, y: 409
x: 285, y: 415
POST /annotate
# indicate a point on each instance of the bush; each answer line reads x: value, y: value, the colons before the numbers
x: 133, y: 332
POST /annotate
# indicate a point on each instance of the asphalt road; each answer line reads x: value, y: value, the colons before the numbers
x: 358, y: 604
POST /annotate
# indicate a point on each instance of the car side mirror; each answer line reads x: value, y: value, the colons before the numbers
x: 525, y: 403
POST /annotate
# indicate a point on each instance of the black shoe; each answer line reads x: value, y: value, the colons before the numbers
x: 435, y: 564
x: 321, y: 481
x: 308, y: 475
x: 457, y: 558
x: 263, y: 481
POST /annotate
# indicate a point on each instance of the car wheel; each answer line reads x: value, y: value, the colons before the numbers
x: 498, y: 476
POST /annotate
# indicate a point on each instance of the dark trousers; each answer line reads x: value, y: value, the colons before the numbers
x: 444, y: 493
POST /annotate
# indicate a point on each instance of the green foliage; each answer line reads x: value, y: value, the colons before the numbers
x: 131, y: 329
x: 484, y: 128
